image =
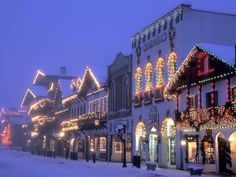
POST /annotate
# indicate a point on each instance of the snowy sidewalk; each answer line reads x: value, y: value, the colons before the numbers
x: 22, y: 164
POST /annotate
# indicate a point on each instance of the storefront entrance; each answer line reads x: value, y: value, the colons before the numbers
x: 140, y: 141
x: 168, y: 143
x: 153, y: 145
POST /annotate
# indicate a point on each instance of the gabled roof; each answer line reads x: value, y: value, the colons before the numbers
x: 28, y: 98
x: 223, y: 56
x: 225, y: 53
x: 89, y: 82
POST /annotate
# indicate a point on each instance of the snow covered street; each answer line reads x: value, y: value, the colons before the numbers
x: 22, y: 164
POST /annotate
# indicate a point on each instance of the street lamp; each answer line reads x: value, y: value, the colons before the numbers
x: 124, y: 137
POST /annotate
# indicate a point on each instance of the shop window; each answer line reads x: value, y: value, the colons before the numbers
x: 192, y: 152
x: 92, y: 145
x: 128, y: 145
x: 118, y: 146
x: 102, y: 144
x: 211, y: 99
x: 209, y: 152
x: 80, y: 145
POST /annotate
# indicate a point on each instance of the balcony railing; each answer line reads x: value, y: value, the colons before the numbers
x: 197, y: 118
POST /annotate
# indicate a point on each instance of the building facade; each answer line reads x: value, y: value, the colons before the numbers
x: 204, y: 87
x: 120, y: 106
x: 158, y: 50
x: 84, y: 126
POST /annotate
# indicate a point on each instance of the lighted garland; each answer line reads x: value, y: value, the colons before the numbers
x: 160, y: 72
x: 138, y: 81
x: 172, y: 65
x: 148, y: 77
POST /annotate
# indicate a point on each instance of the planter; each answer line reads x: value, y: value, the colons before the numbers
x: 151, y: 166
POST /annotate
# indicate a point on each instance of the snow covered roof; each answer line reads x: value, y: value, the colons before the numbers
x: 226, y: 53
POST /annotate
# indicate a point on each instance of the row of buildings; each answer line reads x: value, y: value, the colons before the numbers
x: 172, y: 100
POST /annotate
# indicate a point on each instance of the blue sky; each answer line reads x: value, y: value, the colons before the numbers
x: 47, y: 34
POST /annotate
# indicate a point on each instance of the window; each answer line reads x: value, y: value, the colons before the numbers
x: 138, y: 81
x: 139, y: 41
x: 105, y: 104
x: 134, y: 43
x: 118, y: 146
x: 192, y: 152
x: 171, y: 65
x: 144, y: 38
x: 126, y: 94
x: 233, y: 94
x: 113, y: 97
x: 149, y: 34
x: 159, y: 29
x: 177, y: 19
x: 209, y: 152
x: 148, y: 77
x: 171, y: 23
x: 102, y: 144
x: 165, y: 25
x: 212, y: 99
x: 154, y: 32
x: 193, y: 101
x: 160, y: 72
x: 92, y: 145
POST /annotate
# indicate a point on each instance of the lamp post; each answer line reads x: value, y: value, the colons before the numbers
x: 124, y: 123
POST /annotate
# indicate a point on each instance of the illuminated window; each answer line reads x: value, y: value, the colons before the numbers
x: 209, y: 152
x: 159, y: 72
x: 192, y: 152
x: 148, y: 77
x: 92, y: 145
x: 172, y: 64
x: 140, y: 134
x: 138, y: 81
x: 118, y: 146
x: 102, y: 144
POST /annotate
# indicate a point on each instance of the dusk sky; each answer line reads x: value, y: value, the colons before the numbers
x: 47, y: 34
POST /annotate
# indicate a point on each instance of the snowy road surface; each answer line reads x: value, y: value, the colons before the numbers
x: 22, y: 164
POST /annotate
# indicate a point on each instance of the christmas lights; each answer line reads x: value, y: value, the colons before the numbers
x: 148, y: 77
x: 138, y: 79
x: 171, y: 65
x: 160, y: 72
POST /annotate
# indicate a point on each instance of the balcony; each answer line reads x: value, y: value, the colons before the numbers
x: 208, y: 118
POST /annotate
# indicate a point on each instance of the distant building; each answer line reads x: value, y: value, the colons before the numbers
x: 120, y: 105
x: 85, y: 127
x: 43, y: 126
x: 13, y: 124
x: 158, y: 50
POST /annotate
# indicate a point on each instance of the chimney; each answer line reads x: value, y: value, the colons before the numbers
x: 62, y: 70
